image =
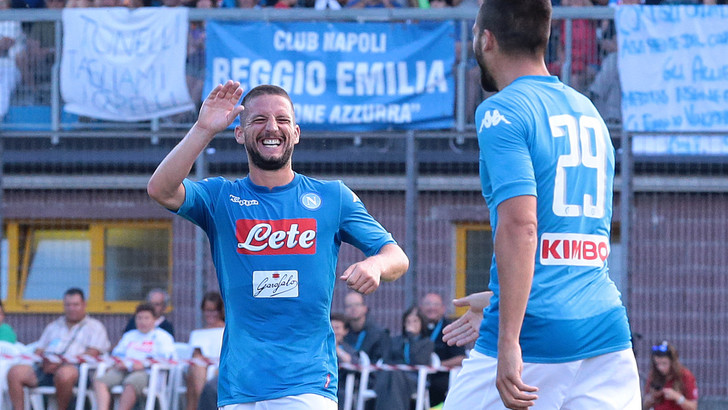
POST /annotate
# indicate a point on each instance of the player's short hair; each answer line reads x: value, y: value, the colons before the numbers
x: 265, y: 89
x: 521, y: 27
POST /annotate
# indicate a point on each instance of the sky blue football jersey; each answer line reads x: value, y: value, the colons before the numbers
x: 275, y: 251
x: 540, y: 137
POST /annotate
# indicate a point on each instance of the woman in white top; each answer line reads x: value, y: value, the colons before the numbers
x: 206, y: 343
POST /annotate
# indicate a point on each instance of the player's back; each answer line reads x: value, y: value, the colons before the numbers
x: 540, y: 137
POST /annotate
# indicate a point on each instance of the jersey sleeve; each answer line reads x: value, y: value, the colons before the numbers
x: 505, y: 160
x: 199, y: 200
x: 358, y: 227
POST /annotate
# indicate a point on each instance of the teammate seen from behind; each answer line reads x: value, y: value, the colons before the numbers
x: 555, y: 334
x: 274, y: 237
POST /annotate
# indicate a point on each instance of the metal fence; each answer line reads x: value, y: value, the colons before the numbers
x: 671, y: 213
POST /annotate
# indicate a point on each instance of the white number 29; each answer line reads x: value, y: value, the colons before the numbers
x: 583, y: 151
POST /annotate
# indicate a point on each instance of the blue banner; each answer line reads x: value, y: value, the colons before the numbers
x: 343, y: 76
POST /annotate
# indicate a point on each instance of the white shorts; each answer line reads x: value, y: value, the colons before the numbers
x: 609, y: 381
x: 307, y: 401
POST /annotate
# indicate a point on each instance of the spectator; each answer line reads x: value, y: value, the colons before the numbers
x: 433, y: 310
x: 207, y: 343
x: 159, y: 299
x: 364, y: 334
x: 136, y: 346
x: 372, y: 4
x: 73, y: 334
x: 196, y: 55
x: 669, y: 384
x: 395, y: 388
x: 7, y: 334
x: 345, y: 352
x: 584, y: 55
x: 11, y: 44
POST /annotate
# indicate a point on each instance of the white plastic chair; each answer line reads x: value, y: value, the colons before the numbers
x: 12, y: 350
x: 179, y: 387
x: 159, y: 387
x: 365, y: 393
x: 34, y: 395
x: 422, y: 396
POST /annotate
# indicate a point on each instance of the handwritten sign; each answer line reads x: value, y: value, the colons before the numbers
x: 673, y: 64
x: 343, y: 76
x: 125, y: 65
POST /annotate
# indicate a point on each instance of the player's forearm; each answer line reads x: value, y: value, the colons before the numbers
x: 393, y: 262
x: 165, y: 185
x: 515, y: 249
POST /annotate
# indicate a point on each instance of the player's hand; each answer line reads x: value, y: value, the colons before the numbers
x: 363, y: 277
x: 220, y: 107
x: 514, y: 393
x: 466, y: 328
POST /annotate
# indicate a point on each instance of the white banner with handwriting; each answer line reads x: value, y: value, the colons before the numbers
x: 125, y: 65
x: 673, y: 65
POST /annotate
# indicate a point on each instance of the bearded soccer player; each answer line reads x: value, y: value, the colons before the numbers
x: 554, y: 334
x: 275, y: 237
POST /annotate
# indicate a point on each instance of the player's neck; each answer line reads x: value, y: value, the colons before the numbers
x: 271, y: 179
x: 513, y: 68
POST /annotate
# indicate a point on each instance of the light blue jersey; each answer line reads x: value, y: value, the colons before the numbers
x: 540, y: 137
x: 275, y: 251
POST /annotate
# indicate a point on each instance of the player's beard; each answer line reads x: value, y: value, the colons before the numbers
x: 269, y: 164
x: 486, y: 79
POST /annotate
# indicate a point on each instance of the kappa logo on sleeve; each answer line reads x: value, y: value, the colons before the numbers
x: 279, y: 237
x: 491, y: 119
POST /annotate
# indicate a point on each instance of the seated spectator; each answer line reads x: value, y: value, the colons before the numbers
x: 7, y: 334
x: 345, y: 352
x: 11, y: 44
x: 433, y: 310
x: 207, y: 344
x: 136, y: 346
x: 669, y: 385
x: 395, y: 388
x: 73, y: 334
x: 159, y: 299
x: 364, y: 334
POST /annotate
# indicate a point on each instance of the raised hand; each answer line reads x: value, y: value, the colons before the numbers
x: 220, y: 107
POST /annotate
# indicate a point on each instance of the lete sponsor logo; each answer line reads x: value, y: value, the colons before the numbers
x: 278, y: 237
x: 574, y: 249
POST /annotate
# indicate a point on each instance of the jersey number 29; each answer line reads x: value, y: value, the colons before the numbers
x: 587, y: 148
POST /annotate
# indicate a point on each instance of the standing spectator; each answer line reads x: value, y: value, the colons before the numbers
x: 7, y: 334
x: 394, y: 388
x: 136, y: 346
x: 364, y: 335
x: 73, y: 334
x: 584, y: 48
x: 433, y: 310
x: 159, y: 299
x: 670, y: 386
x: 11, y: 44
x: 275, y: 239
x: 207, y: 343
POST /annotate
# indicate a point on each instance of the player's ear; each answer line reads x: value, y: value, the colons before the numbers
x: 489, y: 42
x: 239, y: 136
x: 297, y: 134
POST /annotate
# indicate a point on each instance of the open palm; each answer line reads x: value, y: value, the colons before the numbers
x: 220, y: 107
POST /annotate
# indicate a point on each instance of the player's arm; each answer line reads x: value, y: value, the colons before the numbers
x: 216, y: 114
x: 515, y: 250
x: 388, y: 264
x: 466, y: 328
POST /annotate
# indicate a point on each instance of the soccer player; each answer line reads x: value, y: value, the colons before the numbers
x: 274, y: 237
x: 555, y: 334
